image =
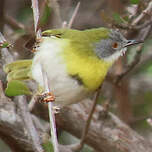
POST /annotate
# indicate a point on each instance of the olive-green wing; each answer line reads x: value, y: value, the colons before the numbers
x: 81, y: 36
x: 18, y: 70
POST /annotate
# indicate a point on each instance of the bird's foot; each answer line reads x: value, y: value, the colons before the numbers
x: 46, y: 97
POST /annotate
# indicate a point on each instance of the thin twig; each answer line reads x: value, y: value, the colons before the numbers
x: 51, y: 112
x: 142, y: 15
x: 74, y: 15
x: 138, y: 27
x: 130, y: 27
x: 133, y: 25
x: 35, y: 8
x: 32, y: 103
x: 29, y: 124
x: 13, y: 22
x: 86, y: 128
x: 123, y: 26
x: 45, y: 79
x: 145, y: 29
x: 137, y: 57
x: 35, y: 14
x: 131, y: 66
x: 90, y: 116
x: 2, y: 94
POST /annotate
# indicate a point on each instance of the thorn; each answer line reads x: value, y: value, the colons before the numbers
x: 56, y: 109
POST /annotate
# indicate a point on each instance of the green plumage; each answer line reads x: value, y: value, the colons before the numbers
x: 81, y: 61
x: 80, y: 38
x: 79, y: 55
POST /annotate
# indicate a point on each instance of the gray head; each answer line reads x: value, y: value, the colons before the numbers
x: 112, y: 48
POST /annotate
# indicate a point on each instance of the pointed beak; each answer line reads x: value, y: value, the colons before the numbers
x: 133, y: 42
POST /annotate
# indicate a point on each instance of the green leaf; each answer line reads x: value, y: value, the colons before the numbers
x: 16, y: 87
x: 134, y: 1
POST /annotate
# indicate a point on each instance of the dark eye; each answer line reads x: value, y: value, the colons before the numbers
x: 115, y: 45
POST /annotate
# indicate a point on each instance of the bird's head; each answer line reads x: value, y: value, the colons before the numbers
x: 111, y: 48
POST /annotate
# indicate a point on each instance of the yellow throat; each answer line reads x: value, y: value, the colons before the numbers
x: 85, y: 66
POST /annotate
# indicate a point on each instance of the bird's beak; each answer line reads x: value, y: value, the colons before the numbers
x: 133, y: 42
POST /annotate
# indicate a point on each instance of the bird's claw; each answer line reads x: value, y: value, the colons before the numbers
x: 46, y: 97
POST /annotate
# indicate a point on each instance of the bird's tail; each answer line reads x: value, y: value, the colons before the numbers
x: 18, y: 70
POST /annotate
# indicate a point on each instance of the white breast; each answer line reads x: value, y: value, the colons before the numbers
x: 65, y: 89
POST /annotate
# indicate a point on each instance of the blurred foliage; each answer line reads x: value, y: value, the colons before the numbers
x: 117, y: 18
x: 5, y: 45
x: 143, y: 109
x: 134, y: 1
x: 141, y: 112
x: 24, y: 14
x: 46, y: 14
x: 48, y: 147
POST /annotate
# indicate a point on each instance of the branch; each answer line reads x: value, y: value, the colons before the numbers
x: 78, y: 147
x: 51, y: 111
x: 130, y: 27
x: 35, y: 14
x: 138, y: 27
x: 133, y: 25
x: 13, y: 128
x: 109, y: 134
x: 74, y: 15
x: 29, y: 124
x: 13, y: 23
x: 105, y: 134
x: 144, y: 34
x: 144, y: 30
x: 44, y: 76
x: 142, y: 15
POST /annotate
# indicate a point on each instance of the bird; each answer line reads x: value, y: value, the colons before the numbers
x: 76, y: 61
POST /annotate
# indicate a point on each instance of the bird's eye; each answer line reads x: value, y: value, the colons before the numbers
x: 115, y: 45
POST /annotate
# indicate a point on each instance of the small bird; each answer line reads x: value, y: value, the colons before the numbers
x: 76, y: 62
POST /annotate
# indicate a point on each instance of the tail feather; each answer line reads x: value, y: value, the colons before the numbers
x: 19, y: 64
x: 18, y: 70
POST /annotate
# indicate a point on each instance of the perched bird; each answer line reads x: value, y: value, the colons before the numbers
x: 76, y: 62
